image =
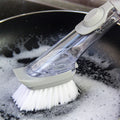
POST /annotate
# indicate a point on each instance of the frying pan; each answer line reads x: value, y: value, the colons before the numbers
x: 30, y: 31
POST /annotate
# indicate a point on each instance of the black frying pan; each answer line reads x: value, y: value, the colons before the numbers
x: 46, y: 28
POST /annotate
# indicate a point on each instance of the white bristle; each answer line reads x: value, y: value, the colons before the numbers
x: 30, y: 100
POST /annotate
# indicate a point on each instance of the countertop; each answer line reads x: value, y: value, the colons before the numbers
x: 10, y: 8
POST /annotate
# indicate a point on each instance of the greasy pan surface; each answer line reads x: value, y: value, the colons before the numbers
x: 24, y: 38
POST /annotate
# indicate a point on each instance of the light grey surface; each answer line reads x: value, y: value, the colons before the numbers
x: 63, y: 4
x: 10, y: 8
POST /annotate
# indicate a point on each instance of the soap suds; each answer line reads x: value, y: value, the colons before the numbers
x: 98, y: 101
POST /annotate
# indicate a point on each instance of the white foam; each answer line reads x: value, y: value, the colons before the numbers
x: 98, y: 101
x: 30, y: 54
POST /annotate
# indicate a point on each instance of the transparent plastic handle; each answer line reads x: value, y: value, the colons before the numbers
x: 63, y: 55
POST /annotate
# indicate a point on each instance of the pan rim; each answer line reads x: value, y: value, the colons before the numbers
x: 37, y: 12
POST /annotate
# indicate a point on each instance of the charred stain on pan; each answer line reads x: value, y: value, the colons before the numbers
x: 87, y: 67
x: 8, y: 116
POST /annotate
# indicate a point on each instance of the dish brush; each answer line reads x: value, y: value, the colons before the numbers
x: 48, y: 81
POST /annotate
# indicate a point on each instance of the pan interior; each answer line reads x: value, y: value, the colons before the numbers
x: 25, y: 38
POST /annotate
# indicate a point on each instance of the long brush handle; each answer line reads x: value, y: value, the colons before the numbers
x: 63, y: 55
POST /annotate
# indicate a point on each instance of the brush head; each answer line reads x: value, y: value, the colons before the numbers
x: 30, y: 100
x: 38, y: 93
